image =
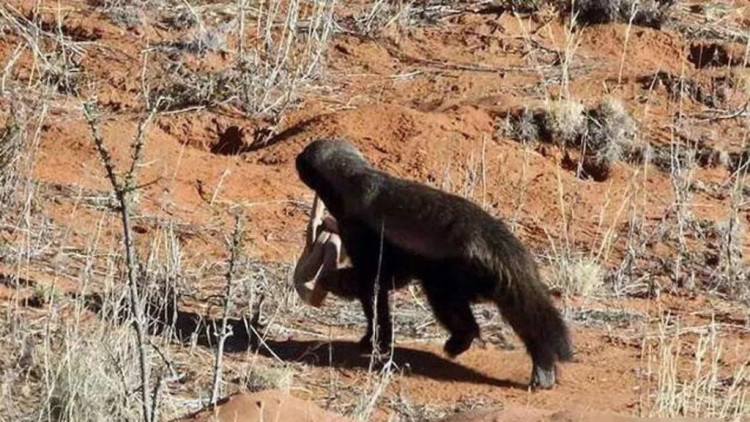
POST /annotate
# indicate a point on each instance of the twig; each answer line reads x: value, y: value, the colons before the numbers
x: 224, y: 174
x: 121, y: 193
x: 241, y: 29
x: 234, y: 253
x: 138, y: 145
x: 155, y: 397
x: 727, y: 116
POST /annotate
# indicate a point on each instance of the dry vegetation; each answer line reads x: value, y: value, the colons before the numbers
x: 150, y: 213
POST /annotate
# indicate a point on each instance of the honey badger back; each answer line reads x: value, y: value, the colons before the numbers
x: 395, y: 230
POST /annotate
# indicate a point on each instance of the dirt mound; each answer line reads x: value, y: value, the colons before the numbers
x: 527, y: 414
x: 268, y: 405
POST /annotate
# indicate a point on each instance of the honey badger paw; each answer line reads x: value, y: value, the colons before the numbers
x: 458, y: 344
x: 542, y: 378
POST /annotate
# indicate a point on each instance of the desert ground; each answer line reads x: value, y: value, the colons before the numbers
x: 151, y: 214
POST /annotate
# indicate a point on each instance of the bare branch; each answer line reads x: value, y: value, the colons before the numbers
x: 135, y: 302
x: 234, y: 253
x: 137, y: 146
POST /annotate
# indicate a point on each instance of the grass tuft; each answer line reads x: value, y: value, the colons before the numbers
x: 611, y: 130
x: 90, y: 376
x: 577, y: 275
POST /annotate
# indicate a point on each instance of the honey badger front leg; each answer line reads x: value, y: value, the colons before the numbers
x: 320, y: 269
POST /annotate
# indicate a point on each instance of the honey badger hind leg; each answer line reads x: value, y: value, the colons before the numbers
x: 454, y: 313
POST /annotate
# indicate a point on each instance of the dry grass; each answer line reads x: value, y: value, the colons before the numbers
x: 690, y: 378
x: 268, y: 76
x: 12, y: 148
x: 88, y: 376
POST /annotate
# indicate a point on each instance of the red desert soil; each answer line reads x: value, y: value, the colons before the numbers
x: 264, y: 406
x: 270, y: 405
x: 422, y: 102
x: 525, y: 414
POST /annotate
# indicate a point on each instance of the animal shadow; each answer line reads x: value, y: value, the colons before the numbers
x: 347, y: 355
x: 193, y: 328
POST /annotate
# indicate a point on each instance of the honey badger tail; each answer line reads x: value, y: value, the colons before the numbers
x: 525, y: 303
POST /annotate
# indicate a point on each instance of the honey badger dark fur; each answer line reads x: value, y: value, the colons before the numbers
x: 395, y: 230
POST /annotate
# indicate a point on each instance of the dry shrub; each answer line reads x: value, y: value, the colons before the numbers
x: 650, y: 13
x: 126, y: 16
x: 604, y: 133
x: 19, y: 138
x: 740, y: 80
x: 611, y: 130
x: 524, y: 125
x: 577, y: 275
x: 261, y: 377
x: 566, y: 121
x: 383, y: 14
